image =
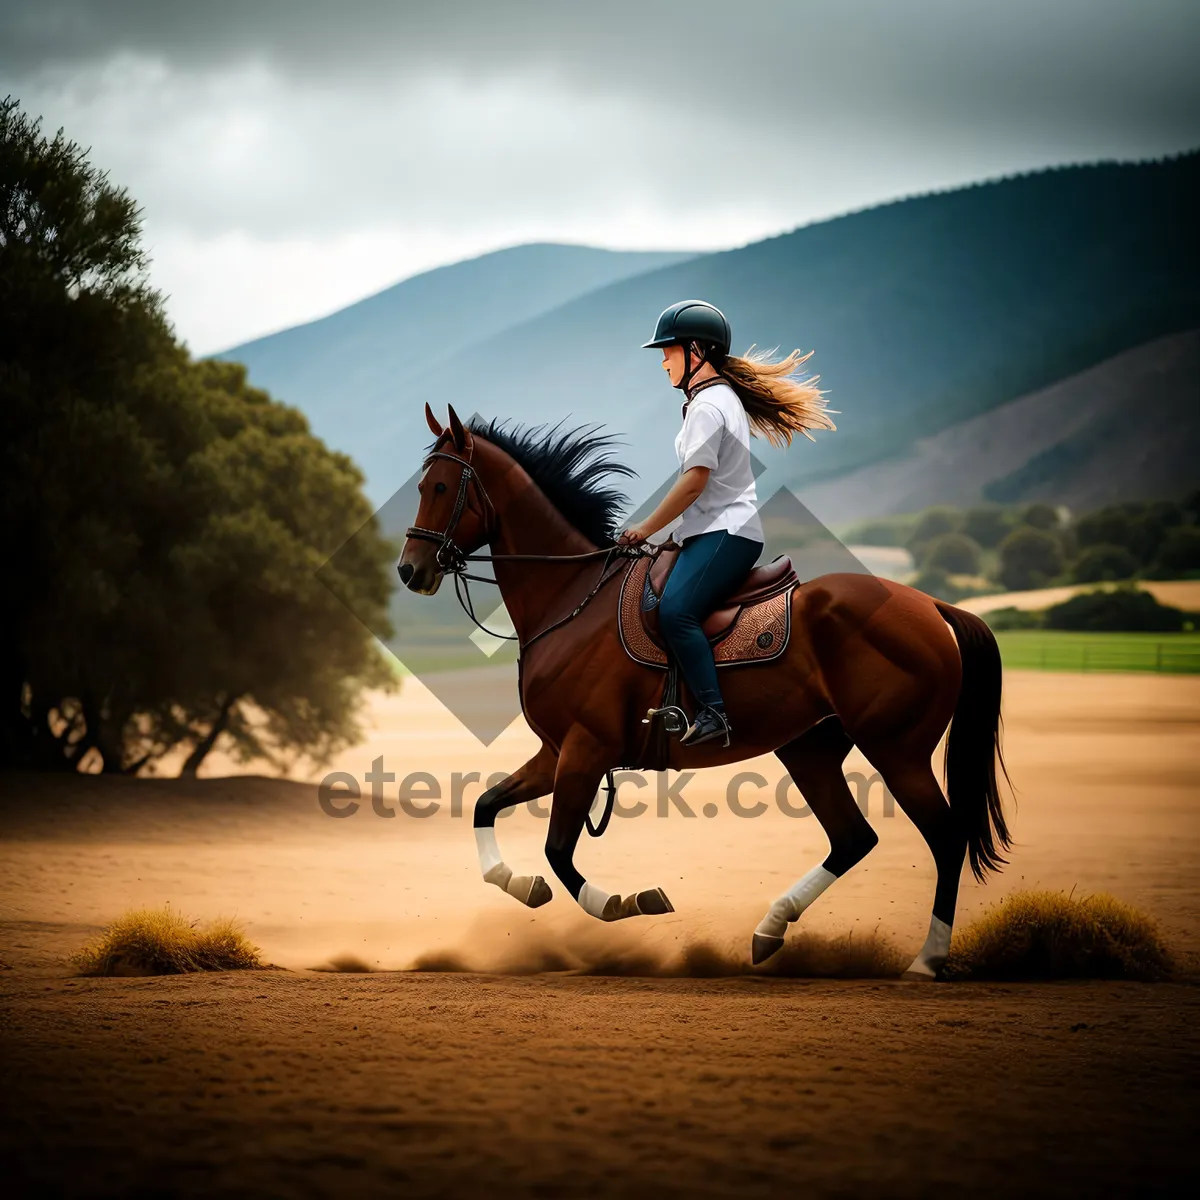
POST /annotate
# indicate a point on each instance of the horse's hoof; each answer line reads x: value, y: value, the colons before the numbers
x: 762, y: 947
x: 531, y: 890
x: 921, y: 974
x: 653, y: 903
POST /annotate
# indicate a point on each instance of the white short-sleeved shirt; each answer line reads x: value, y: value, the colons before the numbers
x: 716, y: 434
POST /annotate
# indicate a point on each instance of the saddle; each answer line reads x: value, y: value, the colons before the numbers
x: 752, y: 625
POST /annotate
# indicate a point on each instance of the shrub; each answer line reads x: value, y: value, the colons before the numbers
x: 1103, y: 562
x: 1029, y: 558
x: 954, y: 553
x: 1001, y: 620
x: 1050, y: 935
x: 162, y: 942
x: 1122, y: 610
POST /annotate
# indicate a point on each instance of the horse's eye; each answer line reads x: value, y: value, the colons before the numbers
x: 440, y: 488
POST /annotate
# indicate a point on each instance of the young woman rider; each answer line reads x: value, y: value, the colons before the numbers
x: 728, y: 400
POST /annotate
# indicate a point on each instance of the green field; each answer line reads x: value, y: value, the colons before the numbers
x: 1047, y: 650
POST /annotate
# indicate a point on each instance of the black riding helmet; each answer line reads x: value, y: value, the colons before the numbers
x: 693, y: 321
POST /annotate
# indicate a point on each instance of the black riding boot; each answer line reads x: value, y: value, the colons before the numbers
x: 710, y: 723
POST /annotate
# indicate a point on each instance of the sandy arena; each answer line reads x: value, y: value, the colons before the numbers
x: 550, y: 1055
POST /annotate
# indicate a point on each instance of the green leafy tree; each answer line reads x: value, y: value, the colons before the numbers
x: 988, y: 524
x: 1040, y: 516
x: 953, y: 553
x: 1102, y: 562
x: 932, y: 523
x: 165, y: 521
x: 1141, y: 528
x: 1029, y: 558
x: 1179, y: 553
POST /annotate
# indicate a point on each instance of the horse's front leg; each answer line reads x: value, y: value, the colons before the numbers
x: 575, y: 783
x: 528, y: 782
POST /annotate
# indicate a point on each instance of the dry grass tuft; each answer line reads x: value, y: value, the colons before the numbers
x: 1051, y: 935
x: 162, y: 942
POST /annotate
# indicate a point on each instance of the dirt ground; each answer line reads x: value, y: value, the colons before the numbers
x: 564, y: 1057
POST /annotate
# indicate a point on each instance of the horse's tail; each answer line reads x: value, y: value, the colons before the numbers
x: 973, y: 746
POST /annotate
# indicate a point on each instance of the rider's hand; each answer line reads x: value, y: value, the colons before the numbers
x: 633, y: 536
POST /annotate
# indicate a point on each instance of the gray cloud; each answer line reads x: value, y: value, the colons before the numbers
x: 292, y: 155
x: 1071, y: 61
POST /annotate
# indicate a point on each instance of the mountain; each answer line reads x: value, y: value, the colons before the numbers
x: 348, y: 371
x: 1127, y: 428
x: 923, y: 313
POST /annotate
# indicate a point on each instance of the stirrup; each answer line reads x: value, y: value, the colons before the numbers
x: 675, y: 720
x: 723, y: 729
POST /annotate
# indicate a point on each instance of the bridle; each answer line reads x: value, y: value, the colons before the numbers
x: 450, y: 556
x: 453, y: 559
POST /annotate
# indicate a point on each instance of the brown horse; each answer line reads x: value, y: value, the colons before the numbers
x: 869, y: 663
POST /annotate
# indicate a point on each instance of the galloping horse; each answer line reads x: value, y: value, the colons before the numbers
x: 868, y: 663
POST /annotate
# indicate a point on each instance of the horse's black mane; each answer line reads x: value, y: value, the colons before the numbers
x: 571, y: 466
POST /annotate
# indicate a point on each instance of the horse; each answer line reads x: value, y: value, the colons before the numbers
x: 868, y: 663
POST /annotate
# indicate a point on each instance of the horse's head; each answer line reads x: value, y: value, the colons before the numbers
x: 453, y: 516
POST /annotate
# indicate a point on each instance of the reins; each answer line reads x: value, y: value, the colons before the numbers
x: 453, y: 559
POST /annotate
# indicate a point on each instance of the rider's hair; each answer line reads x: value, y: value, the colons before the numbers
x: 777, y: 404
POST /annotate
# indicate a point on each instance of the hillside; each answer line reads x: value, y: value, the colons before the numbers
x: 348, y: 371
x: 923, y: 313
x: 1127, y: 428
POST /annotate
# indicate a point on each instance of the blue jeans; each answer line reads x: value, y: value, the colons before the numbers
x: 710, y: 567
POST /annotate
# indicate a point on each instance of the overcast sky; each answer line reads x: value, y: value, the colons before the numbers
x: 293, y: 156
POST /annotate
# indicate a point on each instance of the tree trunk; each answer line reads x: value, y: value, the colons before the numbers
x: 198, y: 755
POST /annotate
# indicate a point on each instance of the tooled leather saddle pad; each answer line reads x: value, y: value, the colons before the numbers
x: 752, y: 625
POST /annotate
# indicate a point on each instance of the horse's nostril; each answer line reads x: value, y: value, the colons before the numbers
x: 407, y: 570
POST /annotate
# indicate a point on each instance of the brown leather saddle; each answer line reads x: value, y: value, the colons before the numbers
x: 752, y: 625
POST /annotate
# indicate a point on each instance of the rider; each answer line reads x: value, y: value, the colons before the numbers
x: 720, y: 533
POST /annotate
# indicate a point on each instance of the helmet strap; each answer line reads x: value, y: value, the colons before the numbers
x: 688, y: 369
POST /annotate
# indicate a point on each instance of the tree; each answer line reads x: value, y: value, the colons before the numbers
x: 1040, y: 516
x: 988, y: 524
x: 277, y: 642
x: 1102, y: 562
x: 1139, y: 527
x: 932, y: 523
x: 954, y: 553
x: 1029, y: 558
x: 164, y: 520
x: 1179, y: 553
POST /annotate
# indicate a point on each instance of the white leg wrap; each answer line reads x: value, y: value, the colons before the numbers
x: 529, y: 889
x: 794, y: 901
x: 935, y: 951
x: 592, y: 900
x: 489, y: 852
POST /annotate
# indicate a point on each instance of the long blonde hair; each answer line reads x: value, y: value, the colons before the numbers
x: 777, y: 405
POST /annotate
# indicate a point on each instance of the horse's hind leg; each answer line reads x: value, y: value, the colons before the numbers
x: 909, y: 777
x: 535, y: 778
x: 814, y: 761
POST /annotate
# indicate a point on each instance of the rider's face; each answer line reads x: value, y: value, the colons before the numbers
x: 673, y: 363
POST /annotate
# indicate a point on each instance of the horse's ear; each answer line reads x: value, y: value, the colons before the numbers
x: 432, y: 422
x: 461, y: 435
